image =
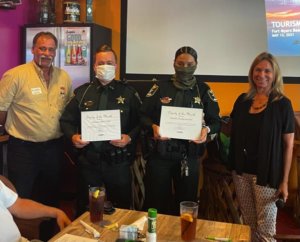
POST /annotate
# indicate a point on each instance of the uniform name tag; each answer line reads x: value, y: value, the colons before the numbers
x: 36, y: 90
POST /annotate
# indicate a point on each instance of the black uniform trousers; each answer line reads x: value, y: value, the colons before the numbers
x: 116, y: 177
x: 35, y: 169
x: 166, y: 188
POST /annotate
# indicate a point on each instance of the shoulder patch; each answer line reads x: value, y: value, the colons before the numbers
x: 211, y: 95
x: 152, y: 91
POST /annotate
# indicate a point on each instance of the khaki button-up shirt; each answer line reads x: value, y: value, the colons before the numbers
x: 33, y: 109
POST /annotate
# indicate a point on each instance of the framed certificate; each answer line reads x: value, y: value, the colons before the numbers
x: 181, y: 123
x: 100, y: 125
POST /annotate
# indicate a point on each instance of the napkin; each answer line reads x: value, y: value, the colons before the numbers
x: 140, y: 223
x: 90, y: 229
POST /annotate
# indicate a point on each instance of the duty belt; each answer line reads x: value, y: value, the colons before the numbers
x: 117, y: 155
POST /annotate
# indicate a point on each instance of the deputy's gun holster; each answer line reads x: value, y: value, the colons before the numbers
x: 177, y: 149
x: 171, y: 149
x: 118, y: 155
x: 110, y: 154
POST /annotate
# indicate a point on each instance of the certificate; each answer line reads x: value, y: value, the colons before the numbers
x: 181, y: 123
x: 100, y: 125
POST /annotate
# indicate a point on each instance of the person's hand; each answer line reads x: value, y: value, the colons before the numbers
x: 283, y: 191
x: 156, y: 134
x: 62, y: 219
x: 78, y: 142
x: 203, y: 136
x: 125, y: 140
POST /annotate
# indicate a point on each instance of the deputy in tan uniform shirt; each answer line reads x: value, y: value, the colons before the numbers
x: 32, y: 99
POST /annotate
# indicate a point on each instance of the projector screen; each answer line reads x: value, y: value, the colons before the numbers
x: 227, y: 34
x: 283, y: 23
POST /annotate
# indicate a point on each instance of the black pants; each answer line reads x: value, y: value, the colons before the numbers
x: 161, y: 174
x: 116, y: 177
x: 35, y: 169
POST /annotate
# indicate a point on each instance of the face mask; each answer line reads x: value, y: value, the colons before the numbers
x: 185, y: 74
x: 105, y: 73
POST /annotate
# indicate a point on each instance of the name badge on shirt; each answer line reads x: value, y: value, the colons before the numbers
x: 36, y: 90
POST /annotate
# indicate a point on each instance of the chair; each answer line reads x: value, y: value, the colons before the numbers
x: 138, y: 173
x: 29, y: 228
x: 294, y: 185
x: 217, y: 197
x: 294, y: 181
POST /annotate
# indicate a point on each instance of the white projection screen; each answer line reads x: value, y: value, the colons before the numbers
x: 283, y: 23
x: 227, y: 34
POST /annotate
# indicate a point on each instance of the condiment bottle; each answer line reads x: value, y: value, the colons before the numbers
x: 151, y: 232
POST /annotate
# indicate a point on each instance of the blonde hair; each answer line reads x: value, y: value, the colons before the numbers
x: 277, y: 85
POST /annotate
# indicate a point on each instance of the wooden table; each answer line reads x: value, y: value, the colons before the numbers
x: 168, y: 227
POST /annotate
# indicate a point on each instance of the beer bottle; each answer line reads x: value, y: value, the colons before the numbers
x: 73, y: 54
x: 79, y: 54
x: 84, y: 47
x: 68, y: 54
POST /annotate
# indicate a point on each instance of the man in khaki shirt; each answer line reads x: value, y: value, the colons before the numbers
x: 32, y: 99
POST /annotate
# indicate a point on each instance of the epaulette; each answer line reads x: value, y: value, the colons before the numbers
x: 131, y: 88
x: 82, y: 87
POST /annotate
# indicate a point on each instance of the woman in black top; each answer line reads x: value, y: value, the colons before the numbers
x: 261, y: 146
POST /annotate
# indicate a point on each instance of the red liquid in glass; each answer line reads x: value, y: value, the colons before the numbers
x: 188, y: 229
x: 96, y: 209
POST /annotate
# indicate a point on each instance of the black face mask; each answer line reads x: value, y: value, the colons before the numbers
x: 184, y: 73
x: 184, y: 77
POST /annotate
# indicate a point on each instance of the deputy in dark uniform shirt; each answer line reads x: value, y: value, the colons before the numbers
x: 104, y: 162
x: 173, y: 164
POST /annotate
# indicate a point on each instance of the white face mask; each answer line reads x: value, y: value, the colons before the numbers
x: 105, y: 73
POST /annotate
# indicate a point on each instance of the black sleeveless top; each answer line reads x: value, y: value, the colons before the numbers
x: 253, y: 122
